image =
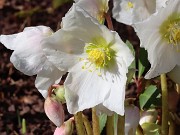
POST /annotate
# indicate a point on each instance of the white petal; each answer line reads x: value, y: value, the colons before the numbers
x: 115, y: 100
x: 175, y: 74
x: 84, y: 90
x: 63, y: 49
x: 8, y: 40
x: 162, y: 60
x: 28, y: 56
x: 123, y: 52
x: 48, y: 76
x: 160, y: 4
x: 96, y: 8
x: 80, y: 24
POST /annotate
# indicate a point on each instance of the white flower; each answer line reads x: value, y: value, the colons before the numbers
x: 132, y: 117
x: 96, y: 8
x: 133, y: 11
x: 29, y: 58
x: 160, y: 36
x: 97, y: 61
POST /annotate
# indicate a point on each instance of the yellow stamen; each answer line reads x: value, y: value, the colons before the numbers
x: 170, y: 30
x: 130, y: 5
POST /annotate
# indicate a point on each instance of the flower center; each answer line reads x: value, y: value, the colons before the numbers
x: 170, y: 30
x: 99, y: 55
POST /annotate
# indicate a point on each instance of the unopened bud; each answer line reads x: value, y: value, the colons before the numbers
x: 54, y: 111
x: 66, y: 129
x: 132, y: 117
x: 59, y: 92
x: 148, y: 116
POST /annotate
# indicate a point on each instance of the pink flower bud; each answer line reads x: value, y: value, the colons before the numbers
x: 66, y: 128
x: 54, y: 111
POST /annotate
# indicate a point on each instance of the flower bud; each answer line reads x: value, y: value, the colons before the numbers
x: 54, y: 111
x: 66, y: 128
x: 131, y: 119
x: 148, y: 116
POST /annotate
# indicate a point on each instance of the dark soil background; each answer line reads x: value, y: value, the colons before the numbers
x: 18, y: 96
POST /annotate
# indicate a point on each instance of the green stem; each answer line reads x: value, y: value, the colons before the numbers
x: 79, y: 123
x: 95, y: 123
x: 121, y: 125
x: 110, y: 125
x: 165, y: 112
x: 87, y: 125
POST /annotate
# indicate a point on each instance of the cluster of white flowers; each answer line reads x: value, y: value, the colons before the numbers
x: 95, y: 57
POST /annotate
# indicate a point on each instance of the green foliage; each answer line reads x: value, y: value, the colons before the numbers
x: 150, y: 97
x: 142, y: 62
x: 102, y: 121
x: 151, y: 129
x: 132, y: 67
x: 58, y: 3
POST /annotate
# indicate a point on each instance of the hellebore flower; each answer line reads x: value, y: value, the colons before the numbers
x: 97, y: 61
x: 132, y: 117
x: 54, y: 111
x: 96, y: 8
x: 133, y: 11
x: 29, y: 58
x: 160, y: 36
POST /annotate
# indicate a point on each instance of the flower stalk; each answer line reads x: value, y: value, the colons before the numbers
x: 110, y: 125
x: 87, y: 125
x: 95, y: 123
x: 121, y: 125
x: 109, y: 21
x: 79, y: 123
x: 165, y: 112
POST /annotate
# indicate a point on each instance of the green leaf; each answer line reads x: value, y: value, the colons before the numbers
x: 149, y: 97
x: 142, y: 62
x: 130, y: 74
x: 58, y: 3
x: 132, y: 67
x: 102, y: 121
x: 151, y: 129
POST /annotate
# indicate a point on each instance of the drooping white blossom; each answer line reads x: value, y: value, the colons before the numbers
x: 29, y: 58
x: 97, y: 61
x: 160, y: 36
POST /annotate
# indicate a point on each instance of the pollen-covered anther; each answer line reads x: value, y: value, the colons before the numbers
x: 97, y: 56
x: 174, y: 36
x: 130, y: 5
